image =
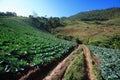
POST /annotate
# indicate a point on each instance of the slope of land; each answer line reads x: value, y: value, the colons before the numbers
x: 96, y: 28
x: 89, y: 32
x: 24, y: 47
x: 94, y: 32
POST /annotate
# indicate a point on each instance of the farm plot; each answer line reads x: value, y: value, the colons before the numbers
x: 21, y: 45
x: 110, y: 67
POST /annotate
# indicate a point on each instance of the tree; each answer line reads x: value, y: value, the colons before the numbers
x: 8, y: 14
x: 46, y: 23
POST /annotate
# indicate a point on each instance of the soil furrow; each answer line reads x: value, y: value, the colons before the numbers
x: 88, y: 62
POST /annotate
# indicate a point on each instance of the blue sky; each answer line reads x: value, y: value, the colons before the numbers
x: 57, y: 8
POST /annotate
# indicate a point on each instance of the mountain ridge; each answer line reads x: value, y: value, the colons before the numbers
x: 103, y: 14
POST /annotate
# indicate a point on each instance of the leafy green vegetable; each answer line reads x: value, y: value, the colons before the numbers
x: 110, y: 66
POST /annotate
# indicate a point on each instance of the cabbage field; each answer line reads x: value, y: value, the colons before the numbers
x: 22, y: 45
x: 110, y: 67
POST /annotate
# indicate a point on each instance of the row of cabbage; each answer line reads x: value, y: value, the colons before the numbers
x: 110, y: 66
x: 22, y: 46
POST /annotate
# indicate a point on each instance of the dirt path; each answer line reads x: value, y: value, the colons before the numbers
x: 63, y: 67
x: 67, y: 69
x: 88, y: 62
x: 58, y: 72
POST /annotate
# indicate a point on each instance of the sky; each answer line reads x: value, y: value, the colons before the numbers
x: 55, y: 8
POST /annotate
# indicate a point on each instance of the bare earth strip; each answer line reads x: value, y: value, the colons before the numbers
x: 88, y: 63
x: 58, y: 72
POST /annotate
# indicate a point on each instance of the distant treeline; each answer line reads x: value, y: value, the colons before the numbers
x: 8, y: 14
x: 100, y: 15
x: 39, y: 22
x: 46, y: 23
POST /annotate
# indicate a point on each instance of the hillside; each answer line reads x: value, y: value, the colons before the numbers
x: 24, y: 47
x: 93, y: 31
x: 99, y: 15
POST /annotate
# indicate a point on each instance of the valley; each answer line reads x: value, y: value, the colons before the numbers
x: 85, y: 46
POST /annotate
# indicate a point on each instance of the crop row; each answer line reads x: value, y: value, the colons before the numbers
x: 110, y: 67
x: 23, y: 46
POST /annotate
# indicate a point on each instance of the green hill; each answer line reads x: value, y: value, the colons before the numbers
x: 23, y: 45
x: 97, y: 27
x: 100, y: 15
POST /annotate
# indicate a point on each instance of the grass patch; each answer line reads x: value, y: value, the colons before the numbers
x: 78, y: 51
x: 96, y: 70
x: 76, y: 71
x: 90, y: 31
